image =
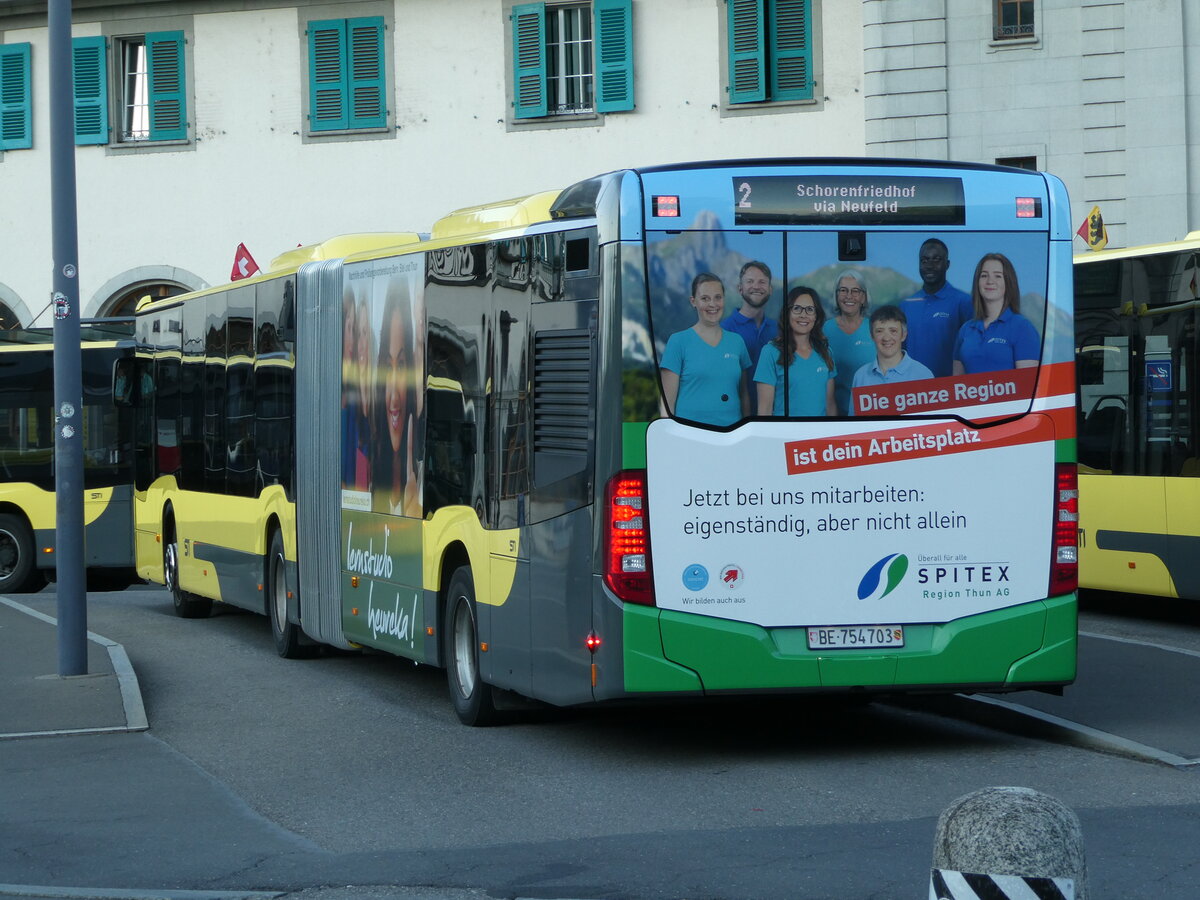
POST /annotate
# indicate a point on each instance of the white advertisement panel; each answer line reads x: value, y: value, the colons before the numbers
x: 854, y: 523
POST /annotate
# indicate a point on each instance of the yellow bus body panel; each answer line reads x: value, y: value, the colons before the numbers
x: 39, y: 505
x: 492, y: 553
x: 1128, y: 503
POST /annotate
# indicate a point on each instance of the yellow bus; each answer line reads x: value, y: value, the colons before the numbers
x: 1139, y: 436
x: 27, y: 496
x: 463, y: 448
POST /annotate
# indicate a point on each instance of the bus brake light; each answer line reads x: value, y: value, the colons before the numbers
x: 1064, y: 564
x: 627, y: 538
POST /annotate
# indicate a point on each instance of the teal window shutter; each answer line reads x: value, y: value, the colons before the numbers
x: 747, y: 51
x: 166, y: 77
x: 16, y: 108
x: 529, y: 60
x: 614, y: 55
x: 791, y: 46
x: 89, y: 78
x: 365, y: 74
x: 327, y: 87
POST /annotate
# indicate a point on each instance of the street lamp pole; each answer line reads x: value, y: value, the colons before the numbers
x: 68, y: 381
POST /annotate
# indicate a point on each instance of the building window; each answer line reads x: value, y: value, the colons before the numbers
x: 347, y: 78
x: 569, y: 77
x: 1014, y: 19
x: 16, y: 111
x: 151, y: 96
x: 570, y: 59
x: 770, y: 50
x: 1018, y: 162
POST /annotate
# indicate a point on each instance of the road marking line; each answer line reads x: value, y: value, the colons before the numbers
x: 1103, y: 738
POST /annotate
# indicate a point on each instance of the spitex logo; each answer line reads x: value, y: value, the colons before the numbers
x: 883, y: 577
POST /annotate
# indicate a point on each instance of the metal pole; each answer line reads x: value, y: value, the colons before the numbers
x: 68, y: 382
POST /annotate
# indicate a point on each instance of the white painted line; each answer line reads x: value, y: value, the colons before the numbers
x: 1121, y: 640
x: 62, y: 893
x: 1094, y: 735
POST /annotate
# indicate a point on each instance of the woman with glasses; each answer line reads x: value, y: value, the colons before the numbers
x: 850, y: 341
x: 702, y: 366
x: 795, y: 373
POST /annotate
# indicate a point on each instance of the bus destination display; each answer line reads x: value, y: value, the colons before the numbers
x: 848, y: 200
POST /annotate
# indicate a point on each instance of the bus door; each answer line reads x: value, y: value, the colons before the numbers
x: 561, y: 461
x: 1171, y: 434
x: 506, y: 623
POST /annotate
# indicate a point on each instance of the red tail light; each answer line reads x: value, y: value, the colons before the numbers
x: 1064, y: 563
x: 627, y: 538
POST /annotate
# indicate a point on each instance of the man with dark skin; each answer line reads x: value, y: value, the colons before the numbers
x: 936, y: 312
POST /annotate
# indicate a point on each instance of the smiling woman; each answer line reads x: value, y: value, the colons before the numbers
x: 702, y: 366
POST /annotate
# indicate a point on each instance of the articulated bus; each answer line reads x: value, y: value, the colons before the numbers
x: 27, y: 497
x: 482, y: 448
x: 1139, y: 437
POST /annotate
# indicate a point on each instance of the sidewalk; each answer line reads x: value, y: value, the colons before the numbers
x: 36, y: 702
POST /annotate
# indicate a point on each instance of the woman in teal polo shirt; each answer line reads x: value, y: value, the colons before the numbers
x: 702, y: 366
x: 795, y: 374
x: 999, y: 337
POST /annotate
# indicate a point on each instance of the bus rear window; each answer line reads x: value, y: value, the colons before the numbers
x: 811, y: 324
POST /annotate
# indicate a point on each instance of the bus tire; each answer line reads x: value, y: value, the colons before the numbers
x: 17, y: 571
x: 187, y: 606
x: 289, y: 641
x: 472, y: 698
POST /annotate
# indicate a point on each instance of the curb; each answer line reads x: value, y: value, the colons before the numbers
x: 131, y: 692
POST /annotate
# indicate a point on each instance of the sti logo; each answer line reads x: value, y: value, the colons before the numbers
x: 884, y: 576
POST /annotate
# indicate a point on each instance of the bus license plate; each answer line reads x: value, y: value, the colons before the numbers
x: 855, y: 637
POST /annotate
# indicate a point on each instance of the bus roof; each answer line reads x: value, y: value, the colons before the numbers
x: 1191, y: 242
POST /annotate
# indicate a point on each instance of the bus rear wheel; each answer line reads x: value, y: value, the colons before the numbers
x: 187, y: 606
x: 472, y: 698
x: 289, y: 641
x: 17, y: 572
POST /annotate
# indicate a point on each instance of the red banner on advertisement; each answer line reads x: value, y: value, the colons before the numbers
x: 940, y: 394
x: 911, y: 442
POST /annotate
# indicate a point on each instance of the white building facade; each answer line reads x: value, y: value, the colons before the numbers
x: 202, y: 125
x: 1103, y: 93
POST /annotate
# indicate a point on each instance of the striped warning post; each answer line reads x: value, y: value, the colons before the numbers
x: 945, y: 884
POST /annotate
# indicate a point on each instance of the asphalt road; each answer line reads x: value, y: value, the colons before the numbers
x: 266, y: 774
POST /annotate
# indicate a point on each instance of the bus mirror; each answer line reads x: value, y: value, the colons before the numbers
x: 124, y: 382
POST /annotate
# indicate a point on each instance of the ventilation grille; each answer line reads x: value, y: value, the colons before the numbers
x: 562, y: 366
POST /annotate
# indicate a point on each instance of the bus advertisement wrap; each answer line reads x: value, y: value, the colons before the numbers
x: 882, y: 522
x: 382, y: 424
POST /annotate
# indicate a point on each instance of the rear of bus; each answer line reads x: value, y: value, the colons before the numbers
x: 921, y: 538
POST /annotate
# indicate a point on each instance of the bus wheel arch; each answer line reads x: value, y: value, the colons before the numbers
x: 187, y: 605
x: 471, y: 695
x: 18, y: 570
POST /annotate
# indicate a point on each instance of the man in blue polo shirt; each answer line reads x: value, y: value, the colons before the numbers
x: 891, y: 363
x: 936, y: 312
x: 754, y: 285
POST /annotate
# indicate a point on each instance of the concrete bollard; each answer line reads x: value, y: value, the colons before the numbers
x: 1000, y: 832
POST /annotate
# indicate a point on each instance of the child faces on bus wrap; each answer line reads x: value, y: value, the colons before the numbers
x: 796, y: 372
x: 849, y: 334
x: 998, y: 337
x: 702, y: 366
x: 395, y: 484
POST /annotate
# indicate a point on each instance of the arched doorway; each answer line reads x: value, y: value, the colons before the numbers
x: 126, y: 302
